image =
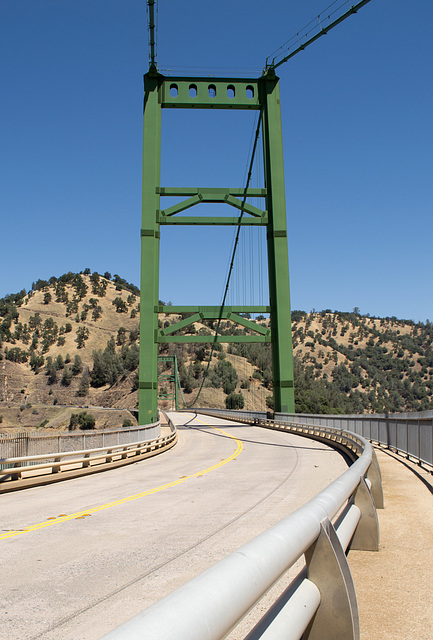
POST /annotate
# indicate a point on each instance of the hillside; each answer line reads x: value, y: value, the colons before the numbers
x: 73, y: 341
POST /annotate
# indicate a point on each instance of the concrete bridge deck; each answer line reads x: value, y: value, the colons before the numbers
x: 85, y: 567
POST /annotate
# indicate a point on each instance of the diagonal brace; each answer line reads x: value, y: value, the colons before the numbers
x: 248, y: 324
x: 197, y: 317
x: 213, y: 197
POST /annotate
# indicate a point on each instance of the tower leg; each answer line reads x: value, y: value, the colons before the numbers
x: 149, y: 293
x: 278, y: 261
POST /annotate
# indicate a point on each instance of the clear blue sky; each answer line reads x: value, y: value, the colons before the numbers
x: 357, y: 121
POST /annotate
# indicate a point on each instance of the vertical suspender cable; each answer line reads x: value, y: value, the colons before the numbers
x: 253, y: 153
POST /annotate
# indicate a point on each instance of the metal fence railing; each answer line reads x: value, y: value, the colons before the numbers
x: 33, y: 443
x: 410, y: 434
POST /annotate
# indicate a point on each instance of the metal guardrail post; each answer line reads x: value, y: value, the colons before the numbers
x: 16, y: 476
x: 366, y: 536
x: 375, y: 478
x: 56, y: 467
x: 419, y: 441
x: 337, y: 616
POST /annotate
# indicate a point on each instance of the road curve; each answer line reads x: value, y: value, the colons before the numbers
x: 80, y: 557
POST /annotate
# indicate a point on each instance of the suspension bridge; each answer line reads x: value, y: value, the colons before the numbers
x: 248, y: 94
x: 229, y: 465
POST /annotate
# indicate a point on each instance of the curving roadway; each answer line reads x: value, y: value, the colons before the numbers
x: 82, y: 556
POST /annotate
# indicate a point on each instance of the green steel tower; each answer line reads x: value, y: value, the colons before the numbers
x: 260, y: 94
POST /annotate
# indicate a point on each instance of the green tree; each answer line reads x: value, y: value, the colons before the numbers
x: 83, y: 387
x: 107, y: 366
x: 130, y: 356
x: 235, y: 401
x: 96, y: 312
x: 77, y: 367
x: 66, y: 377
x: 224, y: 375
x: 82, y: 420
x: 120, y: 305
x: 16, y: 355
x: 82, y: 336
x: 50, y: 371
x: 36, y: 361
x: 121, y: 336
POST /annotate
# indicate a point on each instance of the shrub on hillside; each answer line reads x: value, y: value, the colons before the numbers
x: 235, y: 401
x: 82, y: 420
x: 16, y: 355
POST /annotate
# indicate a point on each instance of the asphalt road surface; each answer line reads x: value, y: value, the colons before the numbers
x: 82, y: 556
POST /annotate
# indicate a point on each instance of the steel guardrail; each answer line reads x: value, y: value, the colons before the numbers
x: 85, y: 459
x: 320, y: 604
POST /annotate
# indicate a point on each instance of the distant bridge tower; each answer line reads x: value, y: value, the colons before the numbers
x: 261, y: 94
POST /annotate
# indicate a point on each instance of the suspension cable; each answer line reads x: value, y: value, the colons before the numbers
x: 303, y: 38
x: 250, y: 170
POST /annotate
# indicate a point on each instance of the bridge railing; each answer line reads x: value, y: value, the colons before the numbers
x: 320, y: 603
x: 36, y: 466
x: 31, y: 443
x: 409, y: 434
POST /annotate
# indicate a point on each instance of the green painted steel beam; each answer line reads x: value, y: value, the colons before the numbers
x: 210, y: 191
x: 213, y: 221
x: 213, y: 198
x: 182, y: 206
x: 211, y: 312
x: 210, y: 339
x: 149, y: 291
x: 248, y: 324
x: 244, y: 206
x: 227, y: 315
x: 210, y: 93
x: 278, y: 264
x: 181, y: 324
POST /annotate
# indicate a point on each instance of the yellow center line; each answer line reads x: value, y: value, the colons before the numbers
x: 109, y: 505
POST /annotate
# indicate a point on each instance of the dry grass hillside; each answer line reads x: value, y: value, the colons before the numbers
x: 73, y: 341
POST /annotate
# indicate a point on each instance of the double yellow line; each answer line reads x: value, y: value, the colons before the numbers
x: 149, y: 492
